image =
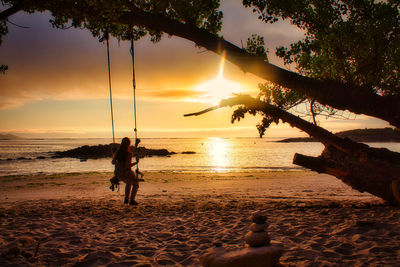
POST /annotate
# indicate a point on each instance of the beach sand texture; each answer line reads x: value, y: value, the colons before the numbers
x: 75, y: 220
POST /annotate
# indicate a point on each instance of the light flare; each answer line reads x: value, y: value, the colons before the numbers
x: 221, y: 65
x: 214, y: 90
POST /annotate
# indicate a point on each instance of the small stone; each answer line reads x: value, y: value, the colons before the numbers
x: 258, y: 217
x: 266, y: 256
x: 256, y: 239
x: 256, y: 227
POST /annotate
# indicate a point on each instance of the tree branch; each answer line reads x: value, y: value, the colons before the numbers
x: 335, y: 94
x: 202, y: 112
x: 319, y: 133
x: 10, y: 11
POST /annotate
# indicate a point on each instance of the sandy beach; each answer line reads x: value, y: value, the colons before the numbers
x: 76, y: 220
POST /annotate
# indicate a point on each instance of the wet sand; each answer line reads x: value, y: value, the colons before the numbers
x: 75, y: 220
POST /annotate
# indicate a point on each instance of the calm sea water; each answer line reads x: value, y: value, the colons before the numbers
x: 212, y: 155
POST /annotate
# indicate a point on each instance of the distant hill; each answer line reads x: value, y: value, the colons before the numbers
x: 9, y: 137
x: 358, y: 135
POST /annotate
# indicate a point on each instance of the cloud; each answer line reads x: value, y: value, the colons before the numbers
x: 174, y: 94
x: 48, y: 63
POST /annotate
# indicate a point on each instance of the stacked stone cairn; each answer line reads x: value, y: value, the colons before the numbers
x: 258, y: 236
x: 259, y: 252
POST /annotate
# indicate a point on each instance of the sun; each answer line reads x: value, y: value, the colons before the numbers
x: 214, y: 90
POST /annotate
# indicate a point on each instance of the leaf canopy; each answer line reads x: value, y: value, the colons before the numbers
x: 99, y: 15
x: 352, y: 41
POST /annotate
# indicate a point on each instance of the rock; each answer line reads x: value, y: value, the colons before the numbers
x: 105, y: 151
x: 256, y: 239
x: 265, y: 256
x: 258, y: 217
x: 260, y: 252
x: 255, y: 227
x: 188, y: 152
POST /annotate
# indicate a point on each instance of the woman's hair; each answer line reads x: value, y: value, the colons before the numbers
x: 123, y: 150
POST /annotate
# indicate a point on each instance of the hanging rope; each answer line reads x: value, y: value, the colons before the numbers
x: 137, y: 141
x: 106, y: 36
x: 132, y: 51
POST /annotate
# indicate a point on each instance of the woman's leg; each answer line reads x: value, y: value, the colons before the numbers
x: 135, y: 187
x: 127, y: 192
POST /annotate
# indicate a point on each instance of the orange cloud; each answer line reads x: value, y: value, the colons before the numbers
x: 174, y: 94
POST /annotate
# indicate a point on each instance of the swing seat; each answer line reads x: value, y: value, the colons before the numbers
x: 114, y: 183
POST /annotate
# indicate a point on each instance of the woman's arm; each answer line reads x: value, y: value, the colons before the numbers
x: 136, y: 162
x: 114, y: 160
x: 128, y: 161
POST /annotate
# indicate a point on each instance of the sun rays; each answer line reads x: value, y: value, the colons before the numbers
x: 214, y: 90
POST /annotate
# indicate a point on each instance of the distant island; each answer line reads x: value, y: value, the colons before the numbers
x: 104, y: 151
x: 9, y: 137
x: 358, y: 135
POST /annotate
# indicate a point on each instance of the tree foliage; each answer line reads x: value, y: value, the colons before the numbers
x: 3, y: 31
x: 98, y: 16
x: 353, y: 41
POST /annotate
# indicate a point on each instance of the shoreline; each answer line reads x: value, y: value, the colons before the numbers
x: 80, y: 222
x: 284, y: 185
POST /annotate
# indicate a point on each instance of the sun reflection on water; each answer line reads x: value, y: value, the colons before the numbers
x: 219, y: 150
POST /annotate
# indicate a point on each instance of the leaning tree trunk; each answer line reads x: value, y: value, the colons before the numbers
x: 366, y: 169
x: 372, y: 170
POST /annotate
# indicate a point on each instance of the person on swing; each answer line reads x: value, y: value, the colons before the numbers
x: 122, y: 159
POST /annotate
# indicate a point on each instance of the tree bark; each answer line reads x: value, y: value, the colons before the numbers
x: 376, y: 176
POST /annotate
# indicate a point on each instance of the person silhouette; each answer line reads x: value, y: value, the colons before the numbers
x: 137, y: 172
x: 122, y: 159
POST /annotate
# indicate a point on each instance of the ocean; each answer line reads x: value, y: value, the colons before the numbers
x: 211, y: 155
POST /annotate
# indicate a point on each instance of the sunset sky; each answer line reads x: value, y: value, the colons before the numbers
x: 57, y: 83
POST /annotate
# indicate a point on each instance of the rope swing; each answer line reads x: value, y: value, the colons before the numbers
x: 137, y: 140
x: 106, y: 37
x: 132, y: 52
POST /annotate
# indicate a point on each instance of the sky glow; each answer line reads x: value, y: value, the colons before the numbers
x: 57, y: 83
x: 214, y: 90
